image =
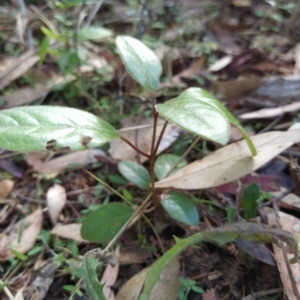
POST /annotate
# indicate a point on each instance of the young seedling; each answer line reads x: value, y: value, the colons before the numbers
x: 50, y: 128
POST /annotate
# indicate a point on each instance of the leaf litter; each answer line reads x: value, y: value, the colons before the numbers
x: 240, y: 56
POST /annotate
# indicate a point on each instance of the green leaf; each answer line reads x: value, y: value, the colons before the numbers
x: 134, y: 173
x: 52, y: 35
x: 67, y: 62
x: 249, y: 200
x: 140, y: 62
x: 69, y: 3
x: 102, y: 224
x: 180, y: 208
x: 43, y: 49
x: 247, y: 231
x: 197, y: 114
x: 93, y: 33
x: 93, y: 286
x: 41, y: 128
x: 165, y: 162
x: 209, y: 98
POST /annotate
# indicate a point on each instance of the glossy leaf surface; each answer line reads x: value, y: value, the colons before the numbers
x: 197, y: 114
x: 102, y: 224
x: 165, y: 162
x: 140, y: 61
x: 180, y: 208
x: 134, y: 173
x: 41, y: 128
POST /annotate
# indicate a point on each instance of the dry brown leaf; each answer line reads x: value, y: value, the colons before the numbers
x: 297, y: 59
x: 43, y: 281
x: 6, y: 187
x: 109, y: 278
x: 290, y: 201
x: 291, y: 224
x: 25, y: 96
x: 22, y: 236
x: 31, y: 293
x: 131, y: 255
x: 166, y: 287
x: 242, y: 3
x: 236, y: 88
x: 231, y: 162
x: 59, y: 164
x: 28, y: 95
x: 209, y: 295
x: 271, y: 112
x: 120, y: 150
x: 221, y: 63
x: 189, y: 73
x: 13, y: 68
x: 56, y: 200
x: 69, y: 231
x: 281, y: 88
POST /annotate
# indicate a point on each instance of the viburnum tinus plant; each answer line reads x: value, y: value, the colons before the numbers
x: 51, y: 128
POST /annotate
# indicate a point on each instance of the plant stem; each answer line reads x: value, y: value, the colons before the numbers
x: 184, y: 155
x: 152, y: 157
x: 134, y: 147
x: 140, y: 208
x: 108, y: 187
x: 155, y: 233
x: 160, y: 136
x: 131, y: 220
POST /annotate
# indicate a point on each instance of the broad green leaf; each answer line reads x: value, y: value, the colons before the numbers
x: 93, y: 33
x: 249, y: 201
x: 180, y: 208
x: 52, y: 35
x: 102, y: 224
x: 67, y: 61
x: 229, y: 233
x: 196, y: 114
x: 134, y: 173
x: 209, y: 98
x: 43, y: 49
x: 165, y: 162
x: 41, y: 128
x: 140, y: 62
x: 93, y: 286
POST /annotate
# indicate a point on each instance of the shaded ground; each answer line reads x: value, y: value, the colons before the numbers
x: 246, y: 53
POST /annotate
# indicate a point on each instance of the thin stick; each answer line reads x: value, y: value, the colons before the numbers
x: 152, y: 157
x: 155, y: 233
x: 134, y: 147
x: 184, y: 155
x: 131, y: 219
x: 7, y: 291
x: 93, y: 13
x: 160, y: 137
x: 108, y: 186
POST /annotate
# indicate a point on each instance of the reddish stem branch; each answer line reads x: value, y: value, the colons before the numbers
x: 160, y: 137
x: 134, y: 147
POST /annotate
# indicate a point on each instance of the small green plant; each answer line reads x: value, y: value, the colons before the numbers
x: 50, y: 128
x: 186, y: 286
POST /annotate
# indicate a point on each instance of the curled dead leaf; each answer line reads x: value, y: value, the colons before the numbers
x: 56, y: 200
x: 231, y: 162
x: 6, y: 187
